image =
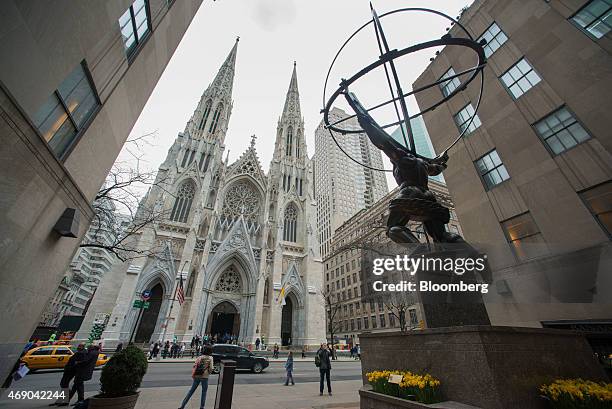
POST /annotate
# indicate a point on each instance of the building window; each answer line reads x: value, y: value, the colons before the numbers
x: 373, y: 321
x: 289, y: 147
x: 204, y: 119
x: 215, y: 120
x: 491, y: 169
x: 561, y: 131
x: 134, y: 25
x: 366, y: 323
x: 290, y: 223
x: 524, y: 236
x: 595, y: 18
x: 182, y: 204
x: 463, y: 117
x: 520, y: 78
x: 383, y: 324
x: 494, y: 37
x: 414, y: 321
x: 68, y: 111
x: 358, y: 323
x: 391, y: 320
x: 448, y: 86
x: 599, y: 201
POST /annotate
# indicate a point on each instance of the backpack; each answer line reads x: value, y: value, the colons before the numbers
x: 317, y: 360
x: 202, y: 367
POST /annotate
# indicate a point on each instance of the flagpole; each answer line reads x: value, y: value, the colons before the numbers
x: 167, y: 319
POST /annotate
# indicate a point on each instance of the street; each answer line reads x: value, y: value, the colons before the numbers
x: 176, y: 376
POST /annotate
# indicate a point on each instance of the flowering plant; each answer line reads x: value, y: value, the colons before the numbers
x: 578, y: 394
x: 422, y: 388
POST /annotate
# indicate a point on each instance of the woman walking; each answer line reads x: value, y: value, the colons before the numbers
x: 201, y: 369
x: 289, y: 368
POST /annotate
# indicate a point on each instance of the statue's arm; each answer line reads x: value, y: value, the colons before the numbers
x: 377, y: 135
x: 437, y: 165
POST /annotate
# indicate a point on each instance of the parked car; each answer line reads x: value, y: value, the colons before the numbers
x: 244, y: 358
x: 53, y: 357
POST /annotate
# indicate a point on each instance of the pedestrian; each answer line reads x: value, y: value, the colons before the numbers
x: 358, y: 352
x: 257, y: 342
x: 352, y: 351
x: 69, y: 373
x: 323, y: 361
x: 166, y: 349
x: 120, y: 347
x: 156, y: 349
x: 275, y: 353
x: 182, y: 351
x: 84, y: 372
x: 201, y: 370
x: 304, y: 351
x: 289, y: 368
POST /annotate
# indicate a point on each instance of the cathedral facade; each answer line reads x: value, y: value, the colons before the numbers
x: 240, y: 243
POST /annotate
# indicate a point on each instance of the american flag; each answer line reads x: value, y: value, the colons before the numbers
x: 180, y: 293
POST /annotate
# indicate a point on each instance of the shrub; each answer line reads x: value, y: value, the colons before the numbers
x: 123, y: 373
x: 578, y: 394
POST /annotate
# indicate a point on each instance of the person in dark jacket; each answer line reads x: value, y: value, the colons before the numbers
x: 324, y: 368
x: 69, y: 373
x: 83, y: 372
x: 289, y: 368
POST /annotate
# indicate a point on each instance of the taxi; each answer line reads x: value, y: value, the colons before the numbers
x: 53, y: 357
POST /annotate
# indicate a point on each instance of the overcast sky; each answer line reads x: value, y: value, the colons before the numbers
x: 274, y: 33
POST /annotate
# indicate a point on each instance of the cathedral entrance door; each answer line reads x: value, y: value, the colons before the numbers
x: 149, y: 316
x: 224, y: 321
x: 286, y: 322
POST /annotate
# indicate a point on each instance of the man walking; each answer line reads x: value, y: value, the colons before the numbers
x: 69, y: 373
x: 289, y: 368
x: 84, y: 372
x: 324, y: 361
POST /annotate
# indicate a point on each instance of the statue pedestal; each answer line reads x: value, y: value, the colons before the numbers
x: 484, y: 366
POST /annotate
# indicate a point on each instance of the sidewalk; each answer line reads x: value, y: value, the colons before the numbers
x: 281, y: 358
x: 268, y: 396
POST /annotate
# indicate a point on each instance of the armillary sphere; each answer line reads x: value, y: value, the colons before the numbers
x: 398, y: 97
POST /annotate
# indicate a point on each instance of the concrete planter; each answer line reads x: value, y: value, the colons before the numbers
x: 123, y: 402
x: 374, y: 400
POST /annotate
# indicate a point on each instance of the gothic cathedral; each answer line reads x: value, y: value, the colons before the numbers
x: 241, y: 243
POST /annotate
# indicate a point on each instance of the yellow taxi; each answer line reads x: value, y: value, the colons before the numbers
x: 53, y: 357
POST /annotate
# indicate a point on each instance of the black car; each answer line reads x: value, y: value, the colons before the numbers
x: 243, y: 357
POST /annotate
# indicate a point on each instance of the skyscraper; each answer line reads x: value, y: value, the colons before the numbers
x: 342, y: 186
x: 421, y: 141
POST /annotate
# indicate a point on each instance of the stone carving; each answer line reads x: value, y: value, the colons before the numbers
x: 229, y: 282
x: 241, y: 199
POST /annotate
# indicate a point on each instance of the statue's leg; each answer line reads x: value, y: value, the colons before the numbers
x: 438, y: 233
x: 396, y: 227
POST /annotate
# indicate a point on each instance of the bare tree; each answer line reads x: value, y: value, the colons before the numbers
x: 332, y: 303
x: 121, y: 211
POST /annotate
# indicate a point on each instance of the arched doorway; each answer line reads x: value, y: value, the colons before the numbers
x: 148, y: 321
x: 287, y: 322
x: 224, y: 321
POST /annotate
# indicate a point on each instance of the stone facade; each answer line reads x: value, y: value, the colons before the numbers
x: 240, y: 242
x: 42, y: 44
x: 545, y: 219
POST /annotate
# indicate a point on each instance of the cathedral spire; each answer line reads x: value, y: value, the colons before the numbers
x: 292, y: 101
x: 224, y: 80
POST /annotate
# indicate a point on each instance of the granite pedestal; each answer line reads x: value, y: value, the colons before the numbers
x: 485, y: 366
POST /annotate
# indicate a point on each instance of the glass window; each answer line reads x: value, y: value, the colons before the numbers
x: 43, y: 351
x: 413, y: 317
x: 525, y: 237
x: 366, y: 323
x: 450, y: 85
x: 491, y: 169
x: 561, y: 131
x: 463, y: 117
x: 599, y: 201
x: 134, y: 25
x: 62, y: 351
x: 67, y: 111
x: 383, y: 324
x: 520, y: 78
x: 595, y: 18
x: 494, y: 37
x: 373, y: 321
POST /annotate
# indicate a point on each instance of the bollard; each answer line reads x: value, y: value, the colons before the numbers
x: 225, y: 385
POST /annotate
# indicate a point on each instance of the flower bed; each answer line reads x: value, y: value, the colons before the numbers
x: 420, y: 388
x: 578, y: 394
